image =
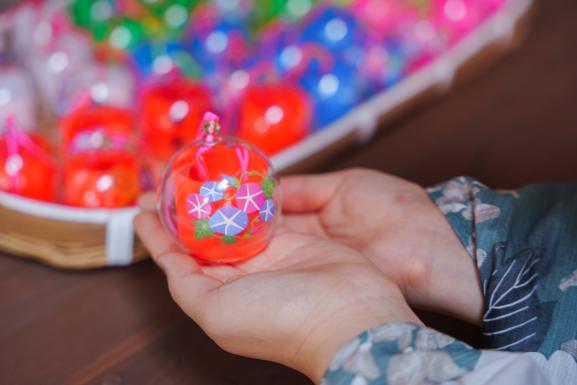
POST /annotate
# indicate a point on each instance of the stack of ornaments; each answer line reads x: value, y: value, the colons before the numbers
x: 96, y: 95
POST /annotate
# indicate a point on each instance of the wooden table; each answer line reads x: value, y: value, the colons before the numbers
x: 515, y: 124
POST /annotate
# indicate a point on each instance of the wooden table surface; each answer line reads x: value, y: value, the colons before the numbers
x: 515, y: 124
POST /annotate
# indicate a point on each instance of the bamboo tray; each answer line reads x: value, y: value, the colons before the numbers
x: 76, y: 238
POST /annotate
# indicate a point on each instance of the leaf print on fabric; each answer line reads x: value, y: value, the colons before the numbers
x: 422, y: 368
x: 514, y: 318
x: 568, y: 281
x: 570, y: 347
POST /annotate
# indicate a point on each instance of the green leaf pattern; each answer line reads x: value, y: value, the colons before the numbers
x: 268, y: 186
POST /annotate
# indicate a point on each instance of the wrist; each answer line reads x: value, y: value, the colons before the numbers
x: 364, y: 312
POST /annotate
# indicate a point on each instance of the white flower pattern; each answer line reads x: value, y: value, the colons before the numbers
x: 362, y: 362
x: 417, y: 356
x: 421, y: 368
x: 459, y: 196
x: 476, y: 252
x: 429, y: 339
x: 401, y: 333
x: 570, y: 347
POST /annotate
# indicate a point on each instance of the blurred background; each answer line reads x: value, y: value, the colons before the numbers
x: 509, y: 119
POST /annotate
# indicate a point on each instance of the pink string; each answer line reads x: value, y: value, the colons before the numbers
x: 208, y: 139
x: 15, y: 139
x: 242, y: 155
x: 59, y: 24
x: 200, y: 163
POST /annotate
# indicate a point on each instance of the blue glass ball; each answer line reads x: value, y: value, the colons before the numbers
x: 334, y: 28
x: 223, y: 46
x: 333, y: 92
x: 158, y: 58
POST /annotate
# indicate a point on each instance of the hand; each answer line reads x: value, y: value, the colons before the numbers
x: 294, y: 304
x: 395, y: 224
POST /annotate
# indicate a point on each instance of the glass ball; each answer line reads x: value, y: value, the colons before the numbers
x: 334, y: 28
x: 456, y: 18
x: 51, y: 68
x: 274, y: 116
x: 171, y: 113
x: 104, y: 166
x: 17, y: 97
x: 219, y: 197
x: 112, y: 85
x: 27, y: 164
x: 333, y: 93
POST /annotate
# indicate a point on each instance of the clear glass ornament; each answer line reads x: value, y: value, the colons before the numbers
x: 219, y: 197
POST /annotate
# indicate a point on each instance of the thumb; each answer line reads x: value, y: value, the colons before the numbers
x: 188, y: 285
x: 190, y: 288
x: 306, y: 193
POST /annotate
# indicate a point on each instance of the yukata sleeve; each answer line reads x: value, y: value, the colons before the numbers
x: 408, y: 354
x: 524, y: 243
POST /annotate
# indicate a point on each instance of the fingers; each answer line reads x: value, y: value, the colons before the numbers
x: 147, y: 201
x: 152, y: 234
x: 187, y: 283
x: 306, y: 193
x: 189, y: 287
x: 304, y: 223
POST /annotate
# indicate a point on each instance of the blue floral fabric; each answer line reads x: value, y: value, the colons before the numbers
x: 416, y: 355
x: 525, y: 246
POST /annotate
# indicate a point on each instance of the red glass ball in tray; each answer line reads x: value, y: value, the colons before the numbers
x: 102, y: 179
x: 170, y: 114
x: 80, y: 125
x: 27, y: 165
x: 274, y: 116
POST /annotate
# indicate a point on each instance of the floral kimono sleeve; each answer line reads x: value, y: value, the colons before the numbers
x: 525, y: 245
x: 407, y: 354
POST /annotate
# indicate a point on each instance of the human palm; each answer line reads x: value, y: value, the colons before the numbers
x: 295, y: 303
x: 393, y: 223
